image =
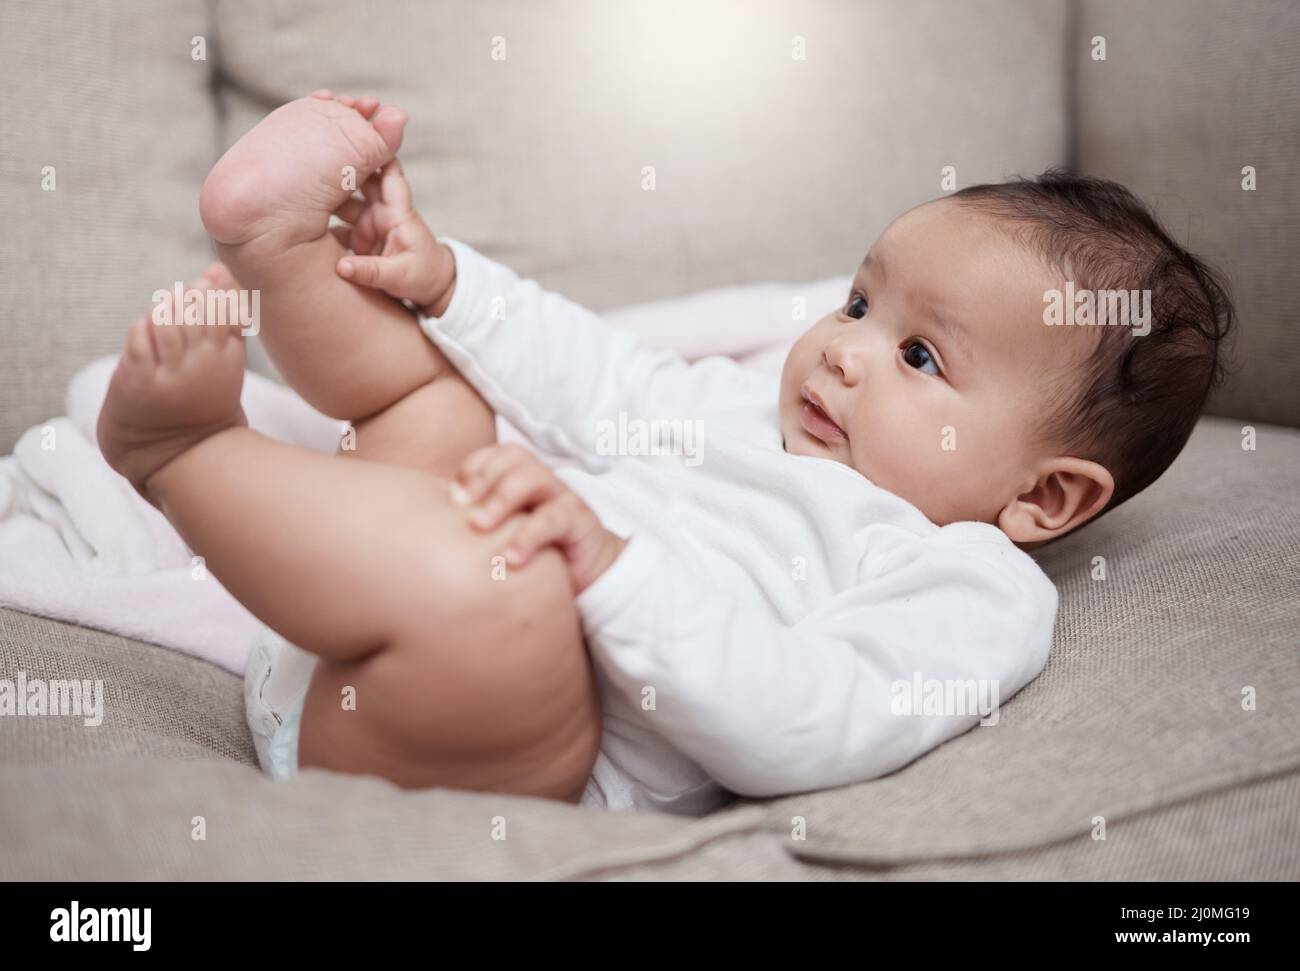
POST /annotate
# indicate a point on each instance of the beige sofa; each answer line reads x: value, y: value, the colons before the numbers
x: 767, y: 167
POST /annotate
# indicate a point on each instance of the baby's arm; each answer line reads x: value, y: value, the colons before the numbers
x: 768, y: 709
x: 550, y: 366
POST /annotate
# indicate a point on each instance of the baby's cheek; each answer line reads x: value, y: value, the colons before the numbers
x: 969, y: 463
x: 890, y: 458
x: 918, y: 464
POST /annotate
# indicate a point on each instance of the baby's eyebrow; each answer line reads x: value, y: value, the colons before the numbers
x: 955, y: 331
x: 870, y: 262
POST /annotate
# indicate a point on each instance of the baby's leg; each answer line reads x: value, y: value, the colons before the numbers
x: 352, y: 352
x: 460, y: 680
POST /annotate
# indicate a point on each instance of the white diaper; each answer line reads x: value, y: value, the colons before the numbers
x: 275, y: 687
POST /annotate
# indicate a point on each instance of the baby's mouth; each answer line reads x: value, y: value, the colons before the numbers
x: 815, y: 420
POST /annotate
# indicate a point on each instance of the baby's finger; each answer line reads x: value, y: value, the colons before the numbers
x: 364, y: 237
x: 371, y: 189
x: 472, y: 462
x: 525, y: 486
x: 480, y: 472
x: 548, y: 525
x: 380, y: 272
x: 343, y: 234
x: 394, y: 187
x: 351, y: 209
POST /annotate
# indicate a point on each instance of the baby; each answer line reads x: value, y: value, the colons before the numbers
x: 644, y: 631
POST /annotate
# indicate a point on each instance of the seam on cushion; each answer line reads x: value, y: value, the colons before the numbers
x: 705, y: 830
x: 830, y: 851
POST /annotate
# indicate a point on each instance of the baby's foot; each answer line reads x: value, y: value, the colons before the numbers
x: 174, y: 386
x: 281, y: 181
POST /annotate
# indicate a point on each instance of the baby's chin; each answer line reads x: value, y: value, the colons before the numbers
x: 797, y: 441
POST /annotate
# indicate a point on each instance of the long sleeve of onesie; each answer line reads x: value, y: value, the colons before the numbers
x: 553, y: 368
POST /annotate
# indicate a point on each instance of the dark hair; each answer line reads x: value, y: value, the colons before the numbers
x: 1138, y: 398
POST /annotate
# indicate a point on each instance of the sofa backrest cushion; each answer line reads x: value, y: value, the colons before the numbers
x: 782, y: 138
x: 1188, y: 97
x: 108, y: 130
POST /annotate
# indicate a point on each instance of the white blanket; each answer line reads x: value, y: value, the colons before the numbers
x: 79, y: 545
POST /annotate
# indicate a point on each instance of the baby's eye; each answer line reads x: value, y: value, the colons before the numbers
x: 917, y: 355
x: 856, y: 307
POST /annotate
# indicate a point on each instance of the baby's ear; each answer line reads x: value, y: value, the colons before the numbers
x: 1066, y: 494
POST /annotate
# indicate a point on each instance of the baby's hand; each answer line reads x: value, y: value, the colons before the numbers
x: 391, y: 247
x: 501, y: 480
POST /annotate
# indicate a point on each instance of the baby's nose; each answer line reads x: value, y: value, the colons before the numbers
x: 845, y: 357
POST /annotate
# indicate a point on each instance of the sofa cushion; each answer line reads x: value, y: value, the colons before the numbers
x: 157, y: 703
x: 109, y: 96
x: 135, y: 820
x: 117, y: 801
x: 1241, y: 832
x: 766, y: 167
x: 1141, y: 703
x: 1188, y: 95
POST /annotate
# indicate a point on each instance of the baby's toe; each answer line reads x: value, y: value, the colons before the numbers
x: 229, y: 328
x: 169, y: 344
x: 220, y: 277
x: 200, y: 282
x: 169, y: 340
x: 390, y: 122
x: 205, y: 332
x: 139, y: 345
x: 325, y: 94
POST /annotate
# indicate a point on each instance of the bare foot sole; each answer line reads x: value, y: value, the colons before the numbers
x: 280, y: 181
x: 175, y: 385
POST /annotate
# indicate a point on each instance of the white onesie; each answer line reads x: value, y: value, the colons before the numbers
x: 776, y: 623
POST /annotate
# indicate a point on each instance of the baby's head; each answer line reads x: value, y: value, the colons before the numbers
x: 941, y: 380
